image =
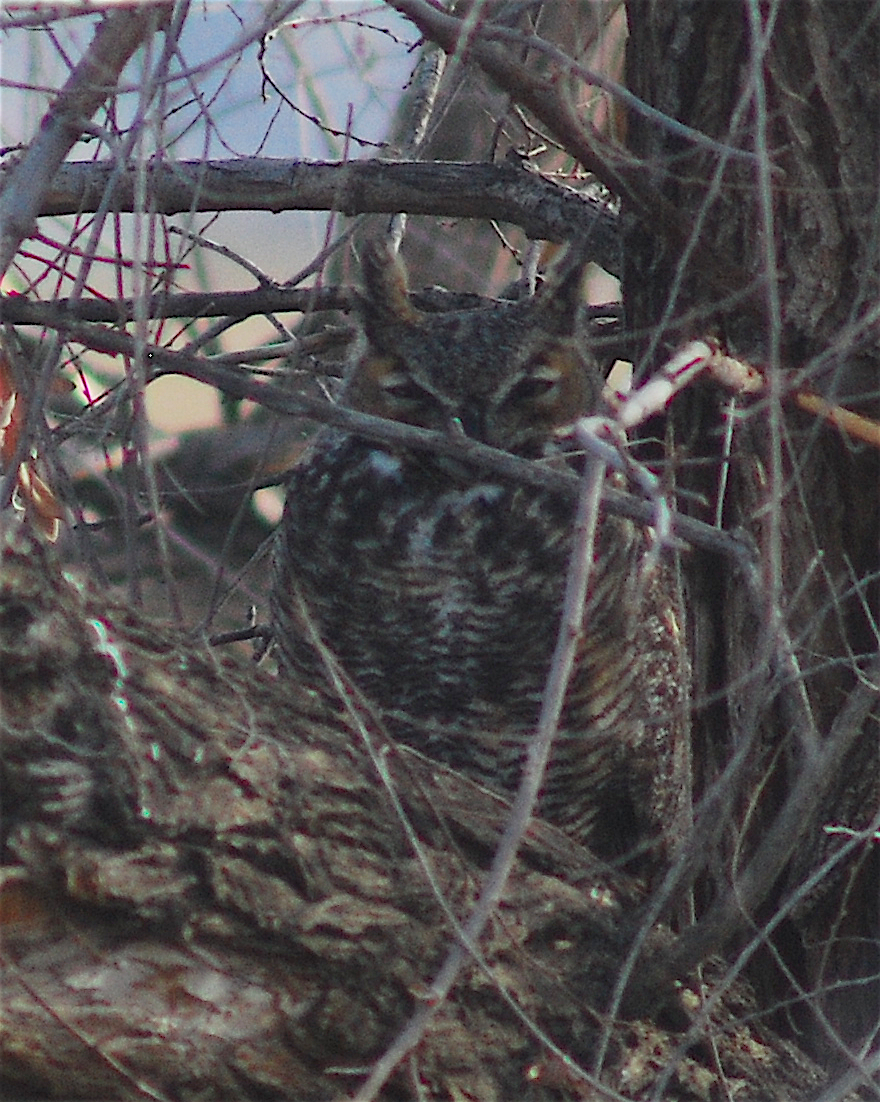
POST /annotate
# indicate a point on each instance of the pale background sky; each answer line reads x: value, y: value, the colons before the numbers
x: 348, y: 73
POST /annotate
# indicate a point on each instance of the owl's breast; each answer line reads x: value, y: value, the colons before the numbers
x: 439, y: 592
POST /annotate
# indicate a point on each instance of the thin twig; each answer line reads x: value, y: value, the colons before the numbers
x: 90, y: 83
x: 496, y: 32
x: 546, y: 97
x: 239, y: 384
x: 761, y: 937
x: 356, y: 707
x: 778, y: 842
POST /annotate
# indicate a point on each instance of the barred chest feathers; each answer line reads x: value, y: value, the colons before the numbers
x: 440, y: 596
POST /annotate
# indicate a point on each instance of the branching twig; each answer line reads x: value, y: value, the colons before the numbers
x: 545, y: 96
x: 238, y: 384
x: 93, y: 79
x: 777, y: 844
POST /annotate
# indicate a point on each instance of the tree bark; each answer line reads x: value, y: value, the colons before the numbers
x: 801, y: 227
x: 209, y: 891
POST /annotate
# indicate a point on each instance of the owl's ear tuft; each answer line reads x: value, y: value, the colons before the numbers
x: 562, y: 293
x: 385, y: 300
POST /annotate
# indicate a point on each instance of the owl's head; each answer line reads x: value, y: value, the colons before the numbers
x: 512, y: 375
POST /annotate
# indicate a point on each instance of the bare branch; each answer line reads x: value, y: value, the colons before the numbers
x: 238, y: 384
x: 546, y: 98
x: 752, y: 887
x: 93, y: 79
x: 506, y: 192
x: 17, y: 310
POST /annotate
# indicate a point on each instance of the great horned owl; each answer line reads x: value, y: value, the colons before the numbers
x: 439, y: 587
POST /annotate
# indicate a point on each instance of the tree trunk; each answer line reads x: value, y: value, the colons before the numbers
x: 209, y: 892
x: 794, y: 231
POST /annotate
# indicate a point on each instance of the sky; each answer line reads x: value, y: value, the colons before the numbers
x: 337, y: 61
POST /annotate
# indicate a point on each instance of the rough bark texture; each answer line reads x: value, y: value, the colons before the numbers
x: 807, y: 494
x: 207, y: 892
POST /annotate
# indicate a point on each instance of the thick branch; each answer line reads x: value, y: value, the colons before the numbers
x: 505, y: 192
x: 208, y: 890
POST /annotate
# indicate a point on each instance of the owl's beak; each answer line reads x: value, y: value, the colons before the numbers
x: 471, y: 420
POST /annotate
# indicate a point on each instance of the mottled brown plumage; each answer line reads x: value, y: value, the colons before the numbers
x: 439, y: 587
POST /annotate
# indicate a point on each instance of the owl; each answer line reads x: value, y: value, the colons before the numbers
x: 439, y: 587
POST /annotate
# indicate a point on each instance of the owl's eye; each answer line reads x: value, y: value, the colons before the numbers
x: 403, y: 388
x: 533, y: 387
